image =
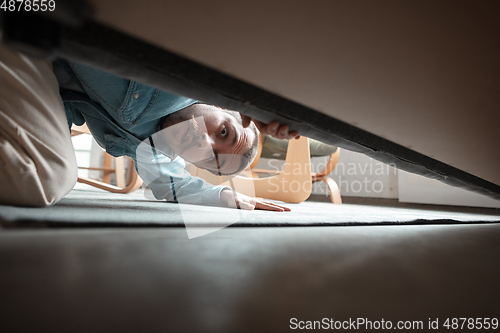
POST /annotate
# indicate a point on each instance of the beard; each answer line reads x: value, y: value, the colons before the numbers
x: 192, y: 116
x: 185, y: 114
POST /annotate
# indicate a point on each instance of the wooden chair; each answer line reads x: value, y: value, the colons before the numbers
x: 332, y: 186
x: 315, y: 177
x: 123, y: 185
x: 293, y: 184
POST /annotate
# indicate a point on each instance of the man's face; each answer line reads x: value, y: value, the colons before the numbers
x: 208, y: 137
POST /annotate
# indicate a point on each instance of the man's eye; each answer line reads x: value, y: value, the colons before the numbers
x: 224, y: 131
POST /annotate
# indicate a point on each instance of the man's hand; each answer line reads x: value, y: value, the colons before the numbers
x: 234, y: 199
x: 274, y: 129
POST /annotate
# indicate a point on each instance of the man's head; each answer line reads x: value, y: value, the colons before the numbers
x: 211, y: 138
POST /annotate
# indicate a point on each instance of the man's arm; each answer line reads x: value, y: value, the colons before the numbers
x: 168, y: 180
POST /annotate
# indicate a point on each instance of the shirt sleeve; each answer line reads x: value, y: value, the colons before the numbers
x: 168, y: 179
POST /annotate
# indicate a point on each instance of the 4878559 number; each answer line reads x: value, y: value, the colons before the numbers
x: 28, y: 5
x: 471, y: 323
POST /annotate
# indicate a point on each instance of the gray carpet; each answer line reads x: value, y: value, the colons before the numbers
x: 245, y: 280
x: 86, y: 206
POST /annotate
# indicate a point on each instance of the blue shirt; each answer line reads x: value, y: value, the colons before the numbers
x: 123, y: 115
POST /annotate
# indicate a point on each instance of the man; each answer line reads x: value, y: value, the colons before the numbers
x: 37, y: 159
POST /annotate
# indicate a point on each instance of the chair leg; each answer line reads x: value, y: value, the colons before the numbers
x: 119, y: 172
x: 134, y: 184
x: 333, y: 188
x: 133, y: 181
x: 106, y: 177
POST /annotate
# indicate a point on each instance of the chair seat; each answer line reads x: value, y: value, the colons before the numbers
x: 276, y: 148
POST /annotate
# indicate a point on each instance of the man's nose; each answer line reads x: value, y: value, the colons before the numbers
x: 205, y: 142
